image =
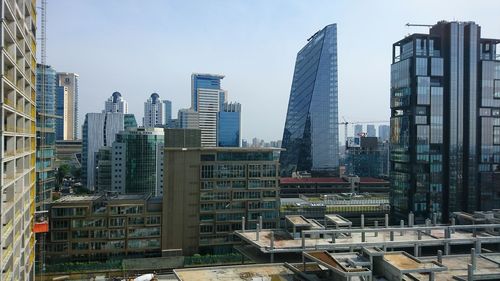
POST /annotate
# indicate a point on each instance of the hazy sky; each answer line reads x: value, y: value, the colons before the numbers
x: 145, y: 46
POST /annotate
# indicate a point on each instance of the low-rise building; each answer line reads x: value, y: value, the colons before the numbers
x: 101, y: 227
x: 295, y: 186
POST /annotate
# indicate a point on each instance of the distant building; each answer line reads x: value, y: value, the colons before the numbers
x: 168, y: 113
x: 70, y: 119
x: 69, y: 152
x: 371, y: 131
x: 188, y: 119
x: 62, y: 111
x: 129, y: 121
x: 153, y: 112
x: 45, y: 131
x: 445, y: 122
x: 137, y: 161
x: 209, y: 190
x: 103, y: 169
x: 364, y: 160
x: 99, y: 130
x: 310, y: 138
x: 358, y: 130
x: 103, y: 227
x: 229, y: 125
x: 116, y: 103
x: 182, y: 138
x: 383, y: 133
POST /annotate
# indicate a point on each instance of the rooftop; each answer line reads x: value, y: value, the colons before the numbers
x: 363, y: 180
x: 86, y: 198
x: 275, y: 272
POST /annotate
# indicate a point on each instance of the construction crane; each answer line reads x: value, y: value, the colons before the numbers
x: 346, y: 123
x: 419, y: 25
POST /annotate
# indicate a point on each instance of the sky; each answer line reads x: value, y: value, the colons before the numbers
x: 138, y: 47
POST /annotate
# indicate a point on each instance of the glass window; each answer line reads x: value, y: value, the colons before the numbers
x: 436, y: 67
x: 421, y: 67
x: 496, y: 135
x: 496, y: 93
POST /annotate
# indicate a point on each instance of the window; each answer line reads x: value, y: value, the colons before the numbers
x: 496, y: 89
x: 496, y: 135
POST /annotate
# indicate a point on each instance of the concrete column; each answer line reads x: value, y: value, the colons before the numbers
x: 362, y: 221
x: 440, y: 256
x: 434, y: 219
x: 447, y: 248
x: 333, y: 237
x: 242, y: 224
x: 363, y: 237
x: 272, y: 240
x: 410, y: 219
x: 419, y: 234
x: 294, y: 231
x: 415, y: 250
x: 447, y: 233
x: 257, y: 233
x: 452, y: 223
x: 427, y: 224
x: 478, y: 247
x: 260, y: 221
x: 470, y: 272
x: 402, y: 224
x: 392, y: 235
x: 431, y: 276
x: 376, y: 226
x: 303, y: 241
x: 386, y: 220
x: 473, y: 258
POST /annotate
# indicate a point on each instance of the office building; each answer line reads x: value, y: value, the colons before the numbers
x: 364, y: 160
x: 18, y: 134
x: 207, y: 98
x: 102, y: 227
x: 99, y: 130
x: 137, y: 161
x: 371, y: 131
x: 116, y: 103
x: 188, y: 118
x: 168, y: 113
x: 45, y: 131
x: 182, y: 138
x: 310, y: 138
x: 153, y: 112
x: 445, y: 120
x: 70, y: 119
x: 103, y: 169
x: 129, y: 121
x: 69, y: 152
x: 208, y: 191
x: 62, y: 111
x: 358, y: 130
x: 383, y: 133
x: 229, y: 125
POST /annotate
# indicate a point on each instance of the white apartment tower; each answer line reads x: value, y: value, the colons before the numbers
x: 153, y: 112
x: 116, y: 103
x: 18, y: 135
x: 70, y: 80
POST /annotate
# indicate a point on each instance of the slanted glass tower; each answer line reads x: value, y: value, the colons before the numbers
x: 310, y: 138
x: 445, y: 122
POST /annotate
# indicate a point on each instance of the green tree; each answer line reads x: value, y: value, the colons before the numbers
x: 62, y: 172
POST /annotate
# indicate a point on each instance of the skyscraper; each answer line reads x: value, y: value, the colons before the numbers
x: 188, y: 119
x: 99, y: 130
x: 168, y: 113
x: 445, y: 118
x: 207, y: 98
x: 229, y: 125
x: 18, y: 134
x: 70, y: 121
x: 62, y: 110
x: 383, y: 133
x: 116, y: 103
x: 153, y: 112
x: 358, y: 130
x: 310, y: 138
x: 371, y: 131
x: 45, y: 130
x: 137, y: 161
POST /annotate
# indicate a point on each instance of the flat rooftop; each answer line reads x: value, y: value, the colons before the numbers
x: 487, y: 265
x: 362, y: 180
x: 86, y: 198
x: 274, y: 272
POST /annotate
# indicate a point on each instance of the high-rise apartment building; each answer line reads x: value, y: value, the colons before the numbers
x: 229, y: 125
x: 445, y: 122
x: 358, y: 130
x: 137, y: 161
x: 46, y: 135
x: 188, y: 119
x: 18, y: 134
x: 116, y: 103
x: 99, y: 130
x: 210, y: 192
x: 371, y: 131
x: 70, y: 120
x: 153, y: 112
x: 383, y: 133
x: 310, y: 138
x: 62, y: 111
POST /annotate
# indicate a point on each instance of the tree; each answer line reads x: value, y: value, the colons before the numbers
x: 62, y: 172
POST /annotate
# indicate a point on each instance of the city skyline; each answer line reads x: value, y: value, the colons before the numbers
x: 265, y: 39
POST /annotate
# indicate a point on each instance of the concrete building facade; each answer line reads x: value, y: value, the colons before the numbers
x: 70, y: 121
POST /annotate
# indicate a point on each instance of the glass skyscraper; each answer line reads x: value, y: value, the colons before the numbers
x: 311, y: 127
x: 445, y: 120
x: 229, y: 125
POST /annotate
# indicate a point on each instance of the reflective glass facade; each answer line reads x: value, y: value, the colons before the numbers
x: 311, y: 130
x: 438, y: 129
x: 229, y: 125
x: 203, y: 81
